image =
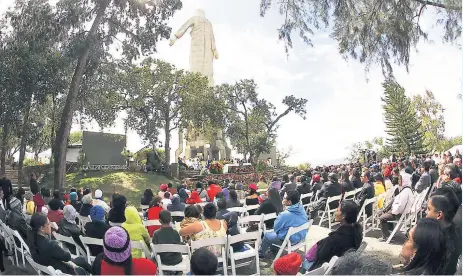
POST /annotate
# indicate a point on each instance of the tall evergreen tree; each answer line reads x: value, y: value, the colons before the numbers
x: 402, y: 123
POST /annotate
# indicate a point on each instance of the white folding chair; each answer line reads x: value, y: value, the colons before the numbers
x: 287, y: 246
x: 177, y: 214
x: 23, y: 249
x: 332, y: 262
x: 8, y: 236
x: 86, y: 241
x: 241, y: 211
x: 151, y: 222
x: 251, y: 252
x: 266, y: 217
x: 141, y: 245
x: 403, y: 220
x: 319, y: 271
x: 328, y: 211
x: 308, y: 195
x: 251, y: 207
x: 40, y: 268
x: 82, y: 221
x: 144, y: 207
x: 172, y: 248
x: 243, y: 222
x: 350, y: 195
x: 221, y: 241
x: 70, y: 241
x: 115, y: 223
x: 417, y: 206
x: 368, y: 223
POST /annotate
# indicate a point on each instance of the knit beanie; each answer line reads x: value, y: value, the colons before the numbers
x: 116, y: 244
x: 97, y: 213
x: 15, y: 204
x: 98, y: 194
x: 288, y: 265
x: 73, y: 196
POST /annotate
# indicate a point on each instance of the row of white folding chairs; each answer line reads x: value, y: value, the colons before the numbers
x: 329, y: 212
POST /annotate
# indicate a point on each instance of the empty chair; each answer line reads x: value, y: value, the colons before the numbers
x: 86, y: 241
x: 251, y: 252
x: 287, y: 246
x: 220, y: 241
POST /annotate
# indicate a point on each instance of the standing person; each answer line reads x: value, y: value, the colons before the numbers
x: 34, y: 186
x: 167, y: 235
x: 116, y: 258
x: 7, y: 188
x: 294, y: 216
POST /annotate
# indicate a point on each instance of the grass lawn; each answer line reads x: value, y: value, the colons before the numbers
x: 130, y: 184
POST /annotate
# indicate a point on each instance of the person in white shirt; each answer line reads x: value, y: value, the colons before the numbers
x: 99, y: 201
x: 166, y: 200
x: 398, y: 206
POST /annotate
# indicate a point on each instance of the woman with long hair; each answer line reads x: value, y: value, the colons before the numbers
x: 233, y: 200
x: 426, y: 249
x: 271, y: 205
x: 348, y: 236
x: 345, y: 182
x: 116, y: 258
x: 147, y: 197
x: 48, y: 252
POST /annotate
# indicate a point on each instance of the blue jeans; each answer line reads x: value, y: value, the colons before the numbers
x: 269, y: 239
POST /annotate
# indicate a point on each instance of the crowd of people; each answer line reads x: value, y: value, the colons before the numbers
x: 433, y: 244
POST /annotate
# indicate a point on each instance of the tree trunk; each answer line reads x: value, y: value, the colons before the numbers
x: 4, y: 148
x: 52, y: 131
x: 23, y: 144
x: 167, y: 146
x: 36, y: 156
x: 62, y: 135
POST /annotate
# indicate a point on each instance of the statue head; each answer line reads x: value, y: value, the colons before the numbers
x: 200, y: 13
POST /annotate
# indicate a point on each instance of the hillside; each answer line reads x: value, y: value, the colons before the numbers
x: 130, y: 184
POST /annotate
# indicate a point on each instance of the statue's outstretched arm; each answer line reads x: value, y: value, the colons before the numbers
x: 184, y: 28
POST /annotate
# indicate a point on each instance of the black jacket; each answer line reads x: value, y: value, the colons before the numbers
x: 337, y: 243
x: 330, y: 189
x: 356, y: 183
x: 96, y: 229
x: 267, y: 208
x: 232, y: 229
x: 367, y: 192
x: 167, y: 235
x: 7, y: 188
x: 85, y: 210
x: 76, y: 204
x: 347, y: 186
x: 305, y: 188
x: 68, y: 229
x: 287, y: 187
x: 34, y: 186
x: 48, y: 253
x: 18, y: 222
x: 234, y: 203
x: 453, y: 238
x: 316, y: 187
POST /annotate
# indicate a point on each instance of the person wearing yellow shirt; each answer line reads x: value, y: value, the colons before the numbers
x: 379, y: 188
x: 30, y: 206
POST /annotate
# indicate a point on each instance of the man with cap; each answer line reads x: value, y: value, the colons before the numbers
x: 288, y: 265
x: 100, y: 202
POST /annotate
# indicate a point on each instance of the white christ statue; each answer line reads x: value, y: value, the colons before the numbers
x: 203, y: 50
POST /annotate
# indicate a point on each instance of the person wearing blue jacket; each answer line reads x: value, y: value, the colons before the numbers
x: 294, y: 216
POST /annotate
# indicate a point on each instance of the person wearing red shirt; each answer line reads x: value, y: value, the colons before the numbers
x: 213, y: 190
x: 194, y: 198
x: 153, y: 213
x: 116, y: 257
x: 171, y: 190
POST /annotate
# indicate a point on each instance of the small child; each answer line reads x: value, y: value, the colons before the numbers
x: 166, y: 200
x: 167, y: 235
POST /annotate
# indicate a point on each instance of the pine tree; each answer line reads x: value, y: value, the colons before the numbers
x: 402, y: 123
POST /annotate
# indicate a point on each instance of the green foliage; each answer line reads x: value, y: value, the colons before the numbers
x: 75, y: 137
x: 402, y: 123
x: 303, y: 166
x: 431, y: 114
x: 30, y: 162
x: 379, y: 32
x: 448, y: 143
x: 251, y: 123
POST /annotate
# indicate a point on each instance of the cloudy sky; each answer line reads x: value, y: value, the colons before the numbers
x: 343, y: 106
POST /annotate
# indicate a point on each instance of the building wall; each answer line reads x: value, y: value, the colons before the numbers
x: 272, y: 155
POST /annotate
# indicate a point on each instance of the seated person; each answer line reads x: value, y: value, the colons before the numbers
x: 147, y: 197
x: 347, y: 236
x: 137, y: 231
x: 329, y: 189
x: 116, y: 259
x: 233, y: 200
x: 96, y: 228
x: 192, y: 215
x: 166, y: 200
x: 360, y: 263
x: 16, y: 219
x: 222, y: 209
x: 117, y: 212
x: 294, y: 216
x: 232, y: 229
x: 69, y: 228
x: 54, y: 213
x: 87, y: 202
x: 153, y: 213
x: 167, y: 235
x: 203, y: 262
x: 252, y: 197
x: 176, y: 206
